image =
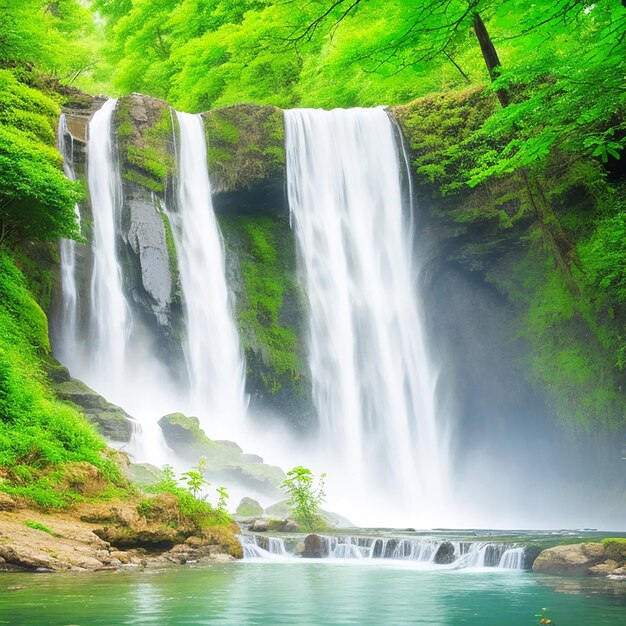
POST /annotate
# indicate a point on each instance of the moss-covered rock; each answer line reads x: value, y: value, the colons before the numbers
x: 145, y: 134
x: 223, y: 459
x: 271, y: 314
x: 110, y: 420
x: 248, y: 507
x: 246, y: 158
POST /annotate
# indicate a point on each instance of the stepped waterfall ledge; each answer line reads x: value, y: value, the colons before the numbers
x: 373, y: 384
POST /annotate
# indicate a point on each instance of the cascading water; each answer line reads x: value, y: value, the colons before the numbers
x: 419, y: 550
x: 117, y: 363
x: 110, y: 317
x: 213, y: 355
x: 69, y: 338
x: 372, y: 382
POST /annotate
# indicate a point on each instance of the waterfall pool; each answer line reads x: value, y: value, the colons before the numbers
x: 307, y: 594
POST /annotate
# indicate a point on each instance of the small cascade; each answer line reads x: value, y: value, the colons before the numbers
x: 373, y: 384
x: 513, y: 558
x: 262, y: 546
x: 423, y: 550
x: 213, y: 355
x: 68, y: 339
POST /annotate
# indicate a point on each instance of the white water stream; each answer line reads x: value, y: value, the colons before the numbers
x: 373, y: 384
x: 69, y: 336
x: 110, y: 316
x: 213, y: 355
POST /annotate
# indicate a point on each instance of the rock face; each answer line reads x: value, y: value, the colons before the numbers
x: 110, y: 420
x: 248, y: 507
x: 145, y: 140
x: 576, y: 559
x: 224, y: 459
x: 246, y: 158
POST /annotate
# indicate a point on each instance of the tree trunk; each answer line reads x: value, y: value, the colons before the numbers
x: 490, y: 55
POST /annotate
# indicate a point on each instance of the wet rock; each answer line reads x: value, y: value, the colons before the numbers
x: 248, y: 507
x: 145, y: 234
x: 574, y: 559
x: 314, y: 547
x: 445, y: 554
x: 259, y: 526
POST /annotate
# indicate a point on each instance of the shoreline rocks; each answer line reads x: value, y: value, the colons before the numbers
x: 106, y: 536
x: 579, y: 559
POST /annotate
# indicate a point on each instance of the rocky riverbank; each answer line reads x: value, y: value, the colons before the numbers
x: 107, y: 535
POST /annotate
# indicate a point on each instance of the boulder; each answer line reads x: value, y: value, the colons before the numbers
x: 282, y: 509
x: 314, y: 547
x: 110, y: 420
x: 573, y: 559
x: 249, y: 507
x: 259, y: 526
x: 445, y: 554
x: 291, y: 526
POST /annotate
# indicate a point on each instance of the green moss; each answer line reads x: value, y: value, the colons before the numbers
x: 245, y: 145
x: 144, y: 146
x: 172, y: 258
x: 267, y: 264
x: 39, y: 526
x: 570, y: 352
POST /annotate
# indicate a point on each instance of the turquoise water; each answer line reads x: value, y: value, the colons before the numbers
x: 306, y: 594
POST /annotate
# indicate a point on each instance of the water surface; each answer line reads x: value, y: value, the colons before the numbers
x: 306, y: 594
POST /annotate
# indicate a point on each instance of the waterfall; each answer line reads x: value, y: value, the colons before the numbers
x: 373, y: 385
x: 419, y: 550
x: 118, y: 362
x: 68, y: 340
x: 110, y: 317
x: 212, y: 351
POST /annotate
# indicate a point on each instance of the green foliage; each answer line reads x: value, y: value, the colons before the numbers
x: 53, y: 35
x: 194, y: 479
x: 222, y: 502
x: 36, y: 200
x: 38, y: 434
x: 570, y: 352
x: 192, y: 506
x: 304, y: 497
x: 39, y: 526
